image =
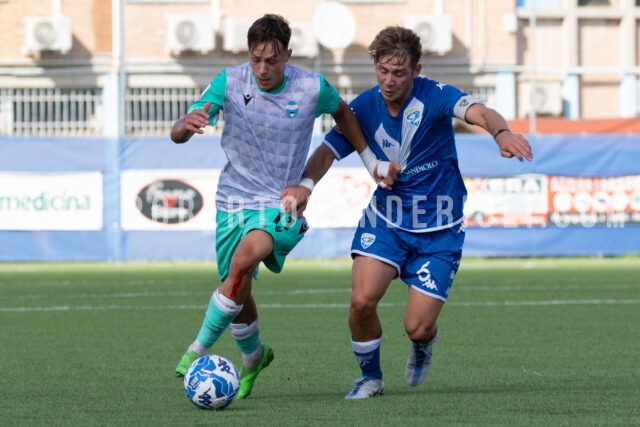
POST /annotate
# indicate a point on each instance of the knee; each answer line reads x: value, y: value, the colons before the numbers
x: 362, y: 307
x: 421, y: 332
x: 242, y: 263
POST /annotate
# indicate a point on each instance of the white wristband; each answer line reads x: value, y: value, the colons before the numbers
x: 383, y: 168
x: 308, y: 183
x: 371, y: 162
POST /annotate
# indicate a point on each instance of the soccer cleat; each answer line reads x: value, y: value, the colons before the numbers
x: 363, y: 388
x: 187, y: 359
x: 418, y: 363
x: 248, y: 374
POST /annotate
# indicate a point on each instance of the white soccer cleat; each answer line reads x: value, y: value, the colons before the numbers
x: 418, y: 363
x: 363, y: 388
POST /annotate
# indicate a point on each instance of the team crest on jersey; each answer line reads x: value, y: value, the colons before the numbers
x: 367, y: 240
x: 413, y: 116
x: 292, y: 109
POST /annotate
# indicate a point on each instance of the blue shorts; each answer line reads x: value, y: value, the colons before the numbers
x: 428, y: 262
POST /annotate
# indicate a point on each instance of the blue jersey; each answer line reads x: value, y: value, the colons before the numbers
x: 429, y: 192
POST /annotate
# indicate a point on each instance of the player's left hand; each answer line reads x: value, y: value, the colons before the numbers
x: 514, y: 145
x: 295, y: 199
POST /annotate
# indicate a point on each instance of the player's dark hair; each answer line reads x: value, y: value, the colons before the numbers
x: 270, y: 29
x: 396, y: 41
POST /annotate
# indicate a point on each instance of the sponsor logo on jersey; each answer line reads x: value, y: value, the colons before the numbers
x: 425, y: 167
x: 292, y: 109
x: 367, y: 240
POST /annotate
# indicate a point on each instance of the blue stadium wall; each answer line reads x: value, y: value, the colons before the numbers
x: 557, y: 155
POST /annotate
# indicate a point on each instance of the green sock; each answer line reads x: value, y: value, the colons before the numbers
x: 247, y: 338
x: 218, y: 318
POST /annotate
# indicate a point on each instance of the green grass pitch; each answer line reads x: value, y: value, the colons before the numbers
x: 524, y: 342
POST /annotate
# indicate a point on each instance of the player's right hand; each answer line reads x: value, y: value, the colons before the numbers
x: 295, y: 199
x: 197, y: 120
x: 386, y: 180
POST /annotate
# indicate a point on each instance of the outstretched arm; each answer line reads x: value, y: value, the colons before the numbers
x: 349, y: 126
x: 510, y: 144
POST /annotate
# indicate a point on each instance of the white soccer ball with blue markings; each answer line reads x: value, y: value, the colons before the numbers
x: 212, y: 382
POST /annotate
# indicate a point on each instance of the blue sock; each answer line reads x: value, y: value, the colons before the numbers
x: 368, y: 357
x: 220, y: 313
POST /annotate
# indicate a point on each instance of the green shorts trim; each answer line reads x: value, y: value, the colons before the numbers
x: 231, y: 227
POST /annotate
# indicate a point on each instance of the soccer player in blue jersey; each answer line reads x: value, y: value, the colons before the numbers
x: 269, y: 110
x: 412, y: 230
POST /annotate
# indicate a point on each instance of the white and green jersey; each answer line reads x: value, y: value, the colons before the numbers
x: 266, y: 136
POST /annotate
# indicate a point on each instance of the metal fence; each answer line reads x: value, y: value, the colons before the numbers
x: 152, y: 111
x: 147, y: 111
x: 51, y: 112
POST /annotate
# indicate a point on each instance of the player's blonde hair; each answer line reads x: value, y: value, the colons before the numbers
x: 398, y: 42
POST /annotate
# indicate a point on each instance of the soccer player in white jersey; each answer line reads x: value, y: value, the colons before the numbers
x: 269, y: 109
x: 413, y: 230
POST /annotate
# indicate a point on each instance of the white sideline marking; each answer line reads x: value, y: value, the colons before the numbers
x: 608, y: 301
x: 472, y: 304
x: 550, y: 302
x: 117, y: 295
x: 506, y: 288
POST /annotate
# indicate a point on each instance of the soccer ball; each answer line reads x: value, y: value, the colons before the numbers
x: 212, y: 382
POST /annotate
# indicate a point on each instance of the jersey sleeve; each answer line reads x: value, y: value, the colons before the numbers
x: 462, y: 105
x: 214, y: 93
x: 335, y: 140
x: 328, y: 98
x: 449, y: 101
x: 338, y: 144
